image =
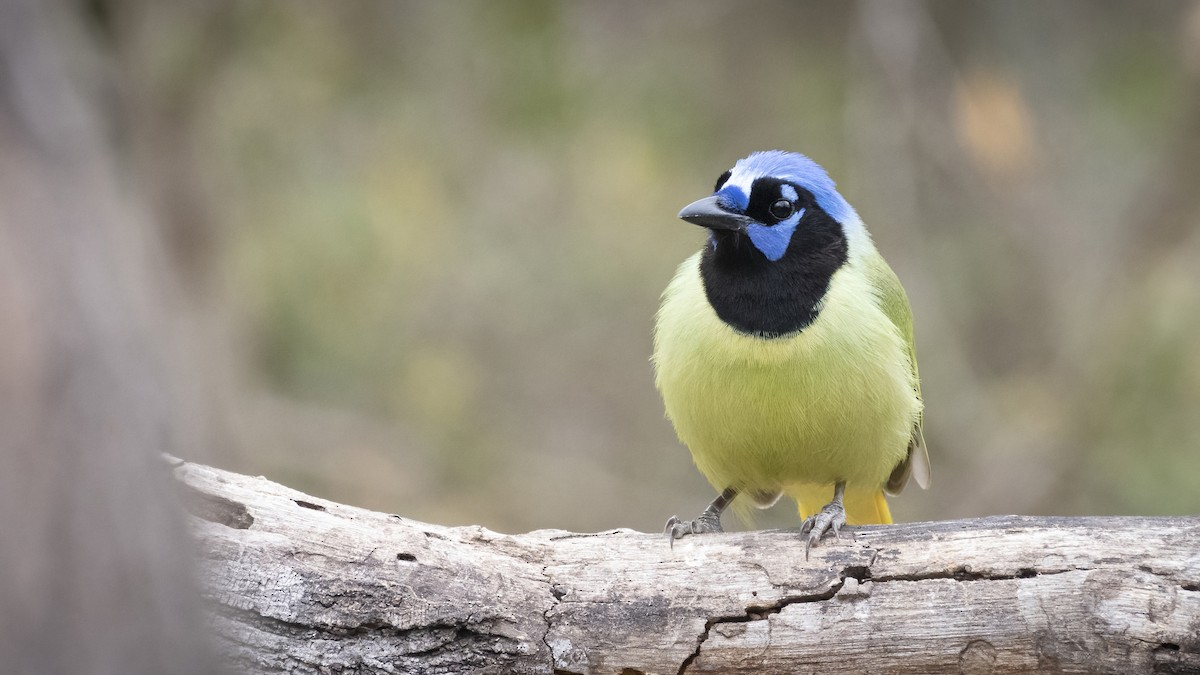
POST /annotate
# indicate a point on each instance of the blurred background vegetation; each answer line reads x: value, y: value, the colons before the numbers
x: 412, y: 250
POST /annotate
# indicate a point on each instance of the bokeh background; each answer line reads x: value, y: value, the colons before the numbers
x: 406, y: 255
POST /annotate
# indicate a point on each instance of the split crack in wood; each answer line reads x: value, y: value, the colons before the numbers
x: 755, y: 613
x: 557, y: 594
x: 854, y: 576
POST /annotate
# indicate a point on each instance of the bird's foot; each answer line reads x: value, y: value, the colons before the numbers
x: 831, y: 517
x: 709, y: 521
x: 706, y: 522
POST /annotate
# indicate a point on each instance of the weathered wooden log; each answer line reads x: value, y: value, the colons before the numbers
x: 304, y: 585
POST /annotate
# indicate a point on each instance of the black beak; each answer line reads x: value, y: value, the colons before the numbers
x: 709, y: 213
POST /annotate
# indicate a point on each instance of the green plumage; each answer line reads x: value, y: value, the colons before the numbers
x: 836, y: 401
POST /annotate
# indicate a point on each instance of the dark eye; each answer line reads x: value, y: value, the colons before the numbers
x: 721, y: 181
x: 781, y: 209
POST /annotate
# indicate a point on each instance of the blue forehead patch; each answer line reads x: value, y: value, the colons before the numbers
x: 732, y: 197
x: 799, y: 169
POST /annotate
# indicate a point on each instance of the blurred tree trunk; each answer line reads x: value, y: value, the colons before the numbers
x: 95, y: 568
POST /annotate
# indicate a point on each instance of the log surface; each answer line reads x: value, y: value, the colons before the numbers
x: 303, y: 585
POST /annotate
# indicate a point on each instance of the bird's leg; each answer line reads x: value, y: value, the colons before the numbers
x: 832, y: 516
x: 709, y: 521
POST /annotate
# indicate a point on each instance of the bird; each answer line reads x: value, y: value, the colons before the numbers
x: 784, y: 353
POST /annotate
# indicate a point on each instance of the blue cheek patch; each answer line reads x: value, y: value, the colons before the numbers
x: 732, y: 198
x: 773, y: 240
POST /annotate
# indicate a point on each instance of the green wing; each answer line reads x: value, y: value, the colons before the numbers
x: 894, y: 303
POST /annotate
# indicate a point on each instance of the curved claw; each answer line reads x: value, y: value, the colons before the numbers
x: 678, y: 529
x: 831, y: 517
x: 709, y: 521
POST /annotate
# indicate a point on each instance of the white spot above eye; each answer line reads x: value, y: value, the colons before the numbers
x: 788, y: 192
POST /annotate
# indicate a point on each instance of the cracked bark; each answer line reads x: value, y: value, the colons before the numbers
x: 301, y: 585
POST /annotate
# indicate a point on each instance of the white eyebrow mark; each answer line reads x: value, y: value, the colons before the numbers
x: 789, y: 193
x: 742, y: 179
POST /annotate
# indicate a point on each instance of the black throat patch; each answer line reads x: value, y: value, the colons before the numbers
x: 770, y: 299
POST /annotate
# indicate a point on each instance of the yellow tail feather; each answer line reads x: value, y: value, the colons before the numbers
x: 863, y: 507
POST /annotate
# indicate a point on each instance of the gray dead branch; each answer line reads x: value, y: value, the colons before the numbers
x: 303, y: 585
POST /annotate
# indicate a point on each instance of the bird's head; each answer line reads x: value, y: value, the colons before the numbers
x: 779, y: 232
x: 766, y: 198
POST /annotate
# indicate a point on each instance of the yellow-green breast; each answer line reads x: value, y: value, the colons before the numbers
x: 835, y: 401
